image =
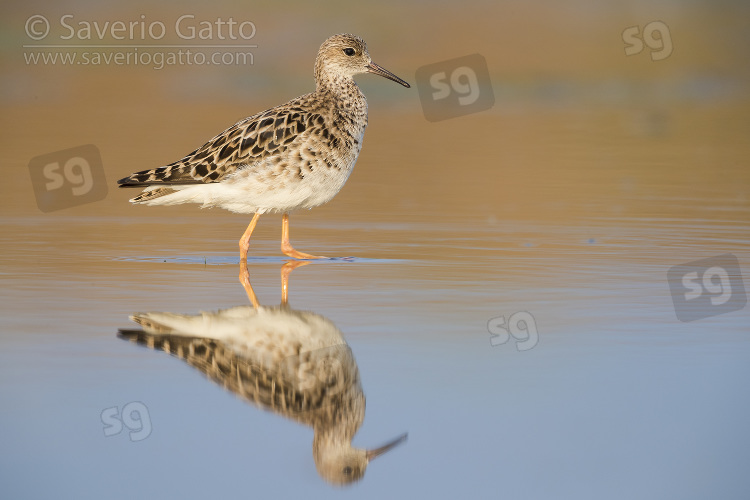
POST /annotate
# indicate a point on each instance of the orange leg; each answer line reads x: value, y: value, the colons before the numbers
x: 245, y: 240
x: 245, y: 281
x: 286, y: 270
x: 287, y: 247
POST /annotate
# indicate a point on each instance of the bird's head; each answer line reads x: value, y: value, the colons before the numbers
x: 339, y: 463
x: 346, y: 55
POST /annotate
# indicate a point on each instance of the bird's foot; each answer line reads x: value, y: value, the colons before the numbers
x: 289, y: 251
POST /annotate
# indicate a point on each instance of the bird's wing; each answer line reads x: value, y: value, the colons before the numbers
x: 240, y: 146
x: 330, y: 374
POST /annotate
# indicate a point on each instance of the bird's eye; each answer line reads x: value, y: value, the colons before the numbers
x: 349, y: 51
x: 347, y: 470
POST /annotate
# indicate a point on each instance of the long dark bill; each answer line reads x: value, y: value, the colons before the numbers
x: 372, y: 454
x: 379, y: 70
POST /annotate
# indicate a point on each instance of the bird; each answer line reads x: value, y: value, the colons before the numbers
x: 290, y: 362
x: 294, y: 156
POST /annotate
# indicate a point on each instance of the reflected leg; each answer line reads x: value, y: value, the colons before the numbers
x: 286, y: 270
x: 245, y: 281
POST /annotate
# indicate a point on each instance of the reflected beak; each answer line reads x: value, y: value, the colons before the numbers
x: 371, y: 454
x: 379, y: 70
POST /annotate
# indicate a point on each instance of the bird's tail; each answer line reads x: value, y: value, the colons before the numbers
x: 152, y: 194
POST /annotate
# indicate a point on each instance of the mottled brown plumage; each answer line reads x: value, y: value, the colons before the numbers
x: 294, y: 156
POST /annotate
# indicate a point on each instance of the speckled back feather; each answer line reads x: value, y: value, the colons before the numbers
x: 244, y: 143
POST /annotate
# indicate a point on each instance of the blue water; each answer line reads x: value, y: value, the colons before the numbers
x: 616, y: 399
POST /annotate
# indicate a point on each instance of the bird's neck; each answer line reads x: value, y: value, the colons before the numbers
x: 341, y: 87
x: 341, y: 417
x: 347, y: 102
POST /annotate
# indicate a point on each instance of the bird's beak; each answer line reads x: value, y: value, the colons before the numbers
x: 371, y: 454
x: 379, y: 70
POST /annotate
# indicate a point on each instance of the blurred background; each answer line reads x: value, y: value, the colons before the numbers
x: 564, y: 92
x: 614, y: 146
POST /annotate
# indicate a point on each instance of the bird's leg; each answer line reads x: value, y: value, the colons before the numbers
x: 245, y: 240
x: 245, y: 281
x: 286, y: 270
x: 287, y: 247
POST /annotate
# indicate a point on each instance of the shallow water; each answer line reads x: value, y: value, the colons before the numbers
x: 561, y: 210
x: 617, y: 394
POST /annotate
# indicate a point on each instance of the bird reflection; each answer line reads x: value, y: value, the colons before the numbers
x: 293, y: 363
